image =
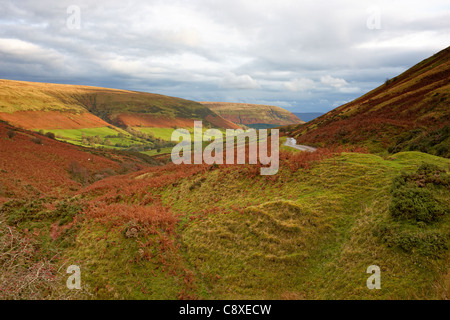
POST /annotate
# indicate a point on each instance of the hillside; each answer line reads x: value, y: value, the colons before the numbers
x: 138, y: 229
x: 35, y: 105
x: 98, y: 117
x: 220, y: 231
x: 34, y: 165
x: 408, y: 112
x: 172, y: 232
x: 253, y: 115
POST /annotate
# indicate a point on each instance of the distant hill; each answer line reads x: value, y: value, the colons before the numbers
x: 253, y: 115
x: 308, y: 116
x: 35, y: 105
x: 408, y: 112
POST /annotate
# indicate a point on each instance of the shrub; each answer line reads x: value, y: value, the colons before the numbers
x: 433, y: 142
x: 20, y: 211
x: 79, y: 173
x: 36, y: 140
x: 66, y: 211
x: 412, y: 198
x: 415, y: 204
x: 11, y: 134
x: 442, y: 150
x: 50, y: 135
x: 425, y: 175
x: 425, y: 242
x: 428, y: 169
x: 27, y: 273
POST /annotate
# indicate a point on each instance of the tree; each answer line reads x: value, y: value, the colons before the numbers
x: 11, y: 134
x: 50, y: 135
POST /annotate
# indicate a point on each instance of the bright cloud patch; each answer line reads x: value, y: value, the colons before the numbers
x: 233, y: 81
x: 333, y: 82
x: 302, y: 84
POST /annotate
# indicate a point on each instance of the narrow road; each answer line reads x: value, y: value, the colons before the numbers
x: 290, y: 142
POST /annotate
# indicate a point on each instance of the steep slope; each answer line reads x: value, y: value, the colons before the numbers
x: 32, y: 165
x: 55, y: 106
x: 253, y: 115
x: 408, y: 112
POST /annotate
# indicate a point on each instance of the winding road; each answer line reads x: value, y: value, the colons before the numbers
x: 290, y: 142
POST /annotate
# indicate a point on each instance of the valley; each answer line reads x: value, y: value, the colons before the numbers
x: 101, y: 117
x: 86, y: 180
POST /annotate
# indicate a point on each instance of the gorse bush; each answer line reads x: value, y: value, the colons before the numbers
x: 415, y: 204
x: 20, y: 210
x: 66, y: 211
x: 425, y: 242
x: 425, y: 174
x: 418, y: 207
x: 412, y: 200
x: 23, y: 213
x: 431, y: 174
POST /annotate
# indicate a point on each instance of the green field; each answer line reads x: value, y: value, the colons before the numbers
x: 76, y: 136
x: 166, y: 133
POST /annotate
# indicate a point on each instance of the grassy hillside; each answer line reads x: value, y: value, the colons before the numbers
x: 141, y: 230
x: 96, y: 117
x: 253, y: 115
x: 111, y: 105
x: 408, y: 112
x: 225, y: 232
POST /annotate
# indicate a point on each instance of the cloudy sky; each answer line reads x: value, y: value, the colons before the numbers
x: 306, y: 56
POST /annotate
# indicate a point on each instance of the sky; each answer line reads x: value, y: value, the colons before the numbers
x: 305, y: 56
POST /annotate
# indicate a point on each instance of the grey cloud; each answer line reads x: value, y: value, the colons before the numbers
x: 293, y: 53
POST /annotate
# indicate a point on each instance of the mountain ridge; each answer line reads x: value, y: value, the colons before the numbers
x: 253, y: 115
x: 398, y: 115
